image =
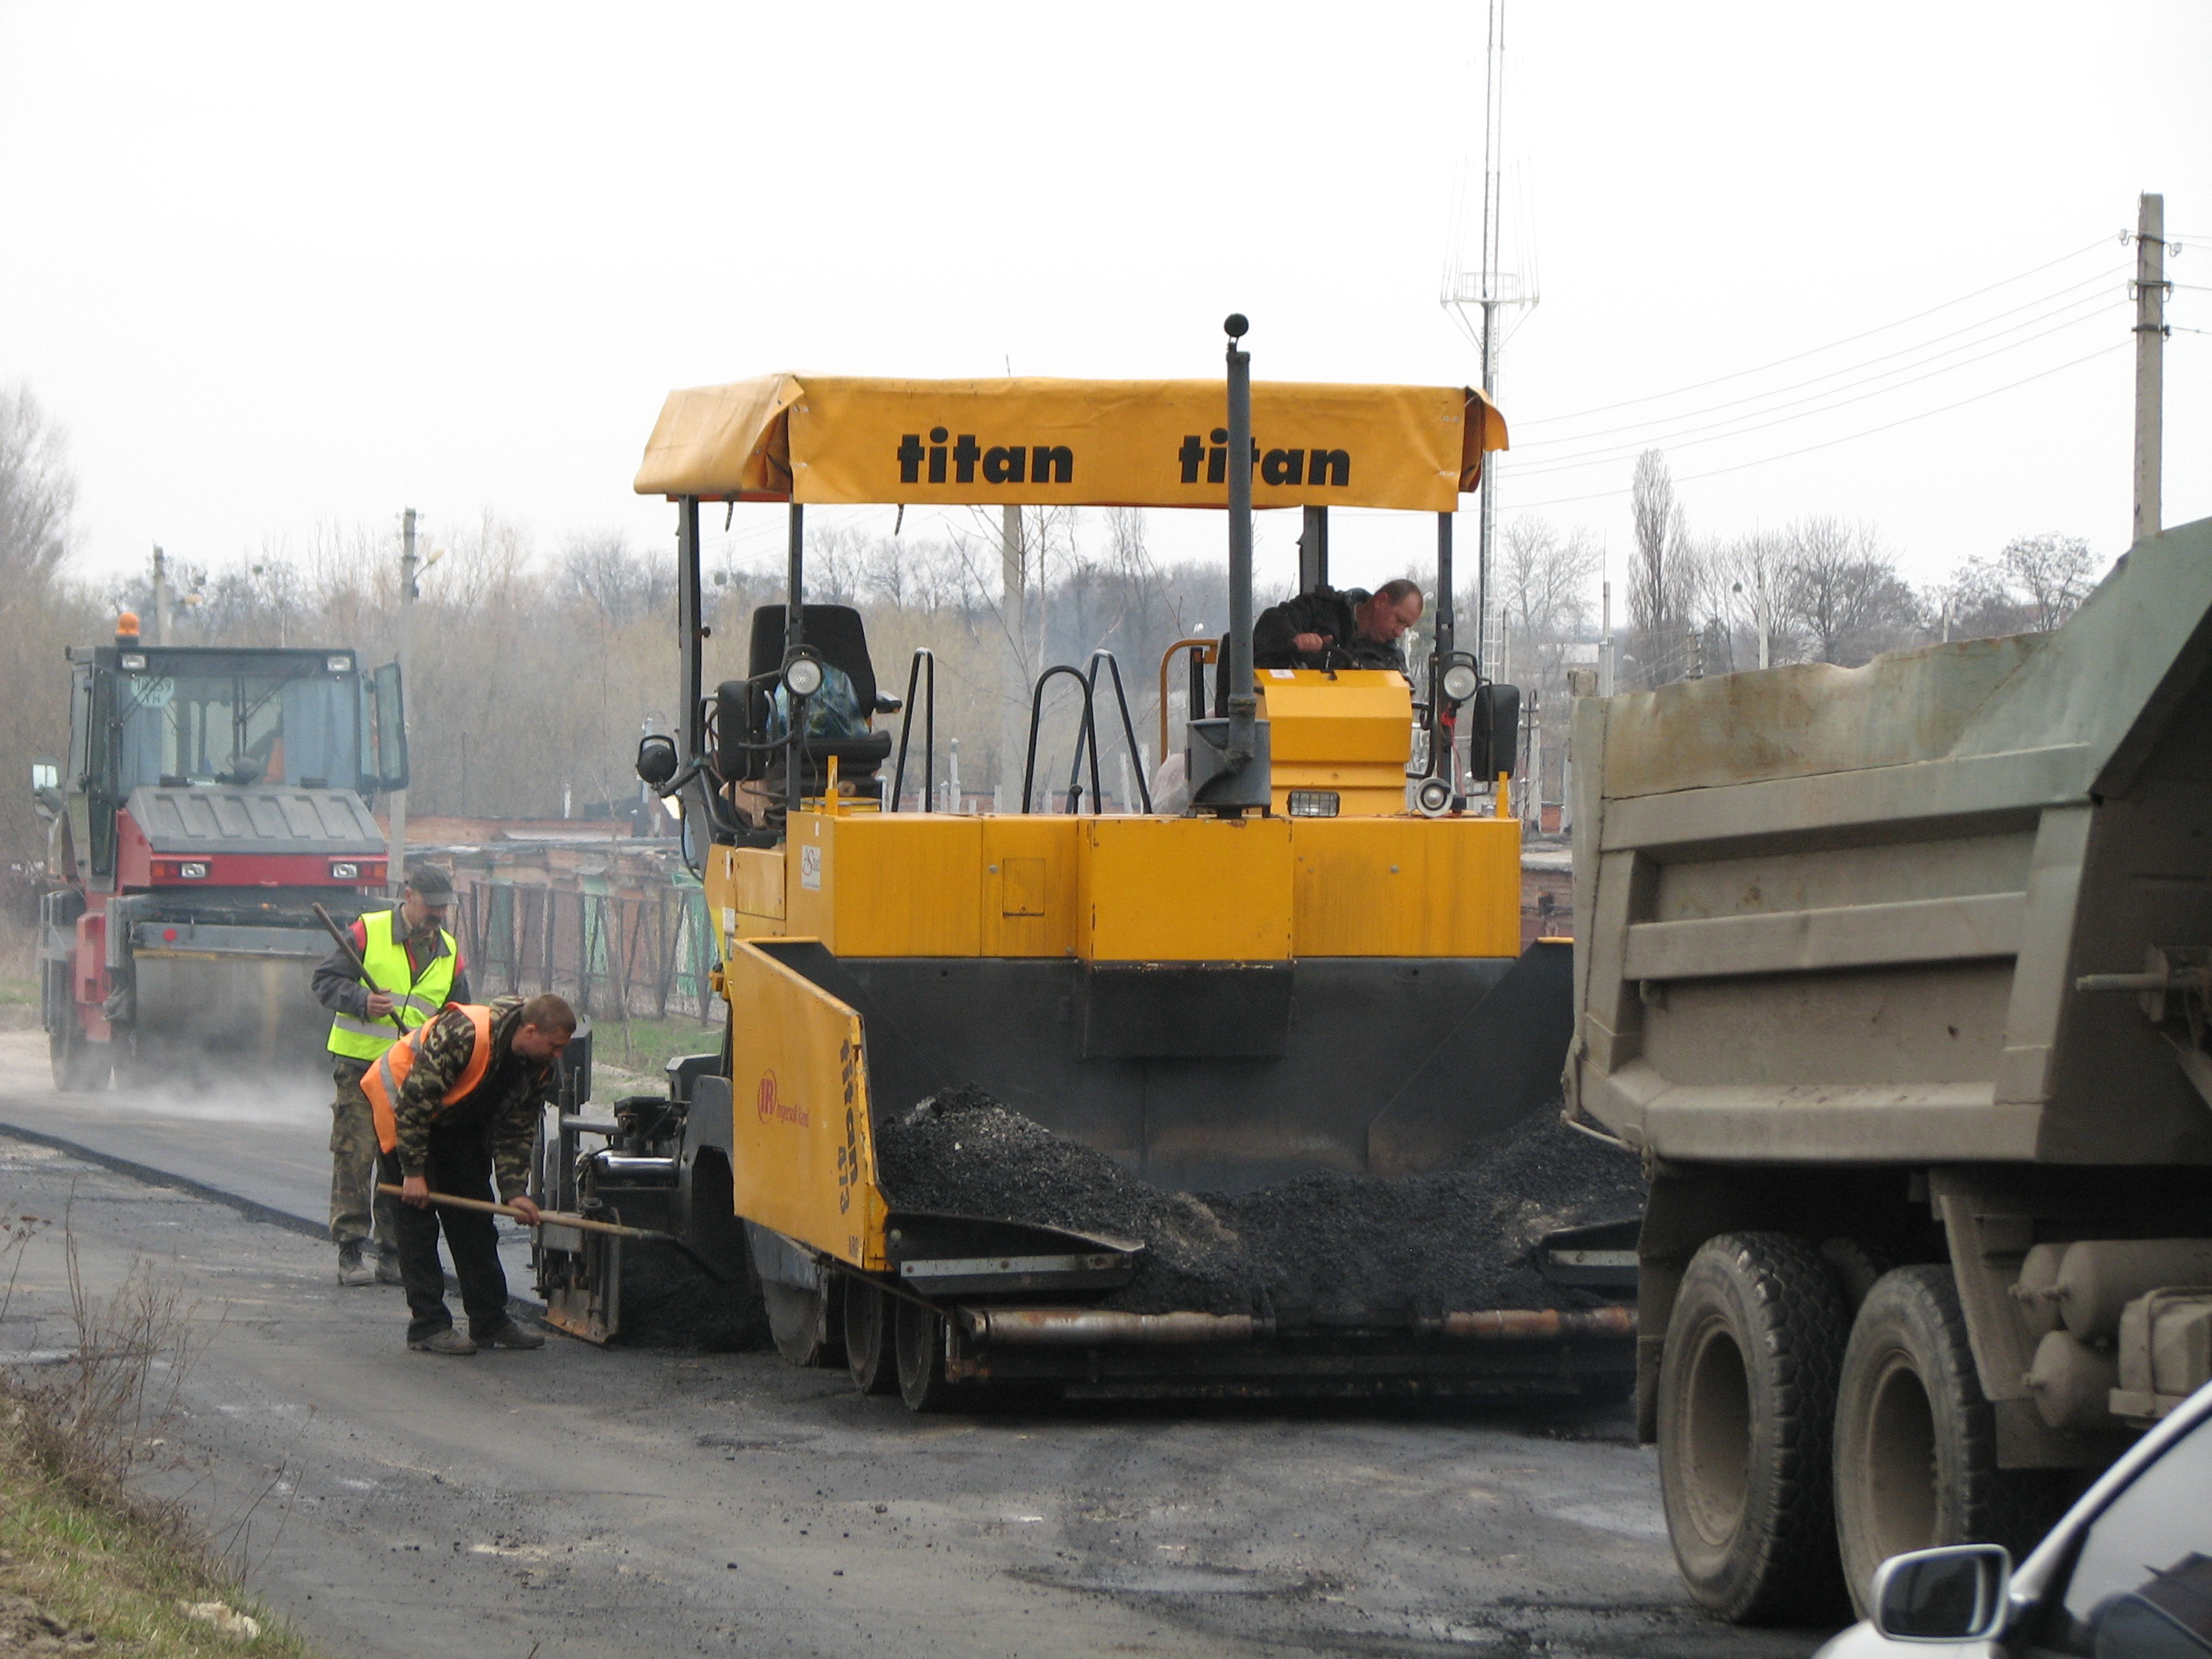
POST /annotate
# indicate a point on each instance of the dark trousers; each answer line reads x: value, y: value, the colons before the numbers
x: 460, y: 1162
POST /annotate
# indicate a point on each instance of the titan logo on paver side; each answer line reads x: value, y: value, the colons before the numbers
x: 1013, y: 464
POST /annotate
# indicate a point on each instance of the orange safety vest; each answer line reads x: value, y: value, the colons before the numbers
x: 381, y: 1082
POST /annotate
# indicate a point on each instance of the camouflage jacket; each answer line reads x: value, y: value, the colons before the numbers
x: 505, y: 1104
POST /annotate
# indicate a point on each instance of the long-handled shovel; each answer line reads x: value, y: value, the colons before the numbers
x: 581, y: 1223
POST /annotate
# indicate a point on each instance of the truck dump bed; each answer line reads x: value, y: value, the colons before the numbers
x: 1839, y: 914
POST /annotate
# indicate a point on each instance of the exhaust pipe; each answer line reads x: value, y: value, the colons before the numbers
x: 1083, y: 1328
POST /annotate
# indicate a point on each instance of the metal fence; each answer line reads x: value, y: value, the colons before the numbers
x: 647, y: 953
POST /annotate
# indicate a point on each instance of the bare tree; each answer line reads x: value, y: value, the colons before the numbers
x: 1664, y: 581
x: 2032, y: 585
x: 39, y: 612
x: 1653, y: 508
x: 2053, y: 572
x: 1845, y: 593
x: 1544, y: 582
x: 1750, y: 583
x: 38, y: 492
x: 601, y: 568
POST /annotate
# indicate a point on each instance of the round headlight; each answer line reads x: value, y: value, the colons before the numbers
x: 1461, y: 682
x: 656, y: 760
x: 802, y: 676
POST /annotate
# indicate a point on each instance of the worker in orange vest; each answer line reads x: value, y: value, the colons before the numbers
x: 457, y: 1103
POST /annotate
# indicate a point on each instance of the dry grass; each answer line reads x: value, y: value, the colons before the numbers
x: 88, y: 1564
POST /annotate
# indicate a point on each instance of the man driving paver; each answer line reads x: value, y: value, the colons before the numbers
x: 1324, y: 628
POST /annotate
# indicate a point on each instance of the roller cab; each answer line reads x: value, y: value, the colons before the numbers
x: 209, y: 799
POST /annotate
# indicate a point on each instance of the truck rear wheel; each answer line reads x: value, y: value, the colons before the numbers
x: 1747, y: 1395
x: 871, y: 1353
x: 1916, y: 1439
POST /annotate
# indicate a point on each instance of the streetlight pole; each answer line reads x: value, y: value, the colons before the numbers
x: 395, y: 866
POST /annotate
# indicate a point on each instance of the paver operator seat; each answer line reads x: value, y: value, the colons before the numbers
x: 835, y: 634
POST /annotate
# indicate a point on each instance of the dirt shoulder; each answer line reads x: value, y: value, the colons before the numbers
x: 82, y: 1577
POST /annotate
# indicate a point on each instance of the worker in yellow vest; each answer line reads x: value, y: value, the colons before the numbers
x: 457, y: 1106
x: 415, y: 969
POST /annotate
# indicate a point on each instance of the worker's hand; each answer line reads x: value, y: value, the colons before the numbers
x: 1310, y: 643
x: 379, y: 1004
x: 416, y: 1190
x: 524, y: 1205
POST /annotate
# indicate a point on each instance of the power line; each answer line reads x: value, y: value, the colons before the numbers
x: 1852, y: 367
x: 1688, y: 440
x: 1799, y: 356
x: 1849, y: 437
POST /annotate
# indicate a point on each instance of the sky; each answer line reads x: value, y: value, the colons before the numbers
x: 274, y: 267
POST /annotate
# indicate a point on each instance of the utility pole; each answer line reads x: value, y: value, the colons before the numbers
x: 1488, y: 288
x: 1493, y: 125
x: 395, y: 865
x: 1014, y: 665
x: 160, y: 596
x: 1491, y: 648
x: 2150, y: 359
x: 1605, y: 641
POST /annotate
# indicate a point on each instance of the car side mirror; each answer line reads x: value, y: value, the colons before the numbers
x: 46, y: 788
x: 656, y: 760
x: 1956, y: 1594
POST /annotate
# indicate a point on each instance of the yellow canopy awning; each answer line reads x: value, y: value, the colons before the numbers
x: 1079, y: 443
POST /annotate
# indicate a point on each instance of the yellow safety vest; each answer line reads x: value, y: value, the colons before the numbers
x: 416, y: 1000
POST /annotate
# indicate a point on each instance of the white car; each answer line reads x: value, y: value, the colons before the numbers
x: 2126, y: 1575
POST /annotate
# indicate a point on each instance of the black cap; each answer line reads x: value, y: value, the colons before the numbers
x: 430, y: 880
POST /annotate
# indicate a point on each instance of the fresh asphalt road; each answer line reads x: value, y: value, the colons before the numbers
x: 581, y: 1502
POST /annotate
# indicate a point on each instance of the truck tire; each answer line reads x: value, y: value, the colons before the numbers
x: 1916, y: 1439
x: 1746, y: 1397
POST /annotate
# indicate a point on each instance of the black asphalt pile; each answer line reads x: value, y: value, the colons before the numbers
x: 668, y: 1303
x: 961, y: 1153
x: 1325, y: 1245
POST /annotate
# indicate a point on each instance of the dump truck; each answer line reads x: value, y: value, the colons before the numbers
x: 1897, y: 977
x: 1313, y: 970
x: 211, y: 796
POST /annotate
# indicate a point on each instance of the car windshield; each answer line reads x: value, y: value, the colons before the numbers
x: 2141, y: 1583
x: 237, y: 728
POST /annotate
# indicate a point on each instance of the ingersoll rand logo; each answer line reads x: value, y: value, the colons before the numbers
x: 772, y: 1107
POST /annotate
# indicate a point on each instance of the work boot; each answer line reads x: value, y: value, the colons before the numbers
x: 352, y: 1270
x: 448, y: 1340
x: 387, y: 1269
x: 511, y: 1335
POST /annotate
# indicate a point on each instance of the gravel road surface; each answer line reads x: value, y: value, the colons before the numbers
x: 585, y: 1503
